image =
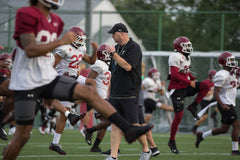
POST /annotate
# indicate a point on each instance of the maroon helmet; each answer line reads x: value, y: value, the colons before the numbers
x: 212, y: 73
x: 153, y: 73
x: 182, y: 45
x: 102, y: 54
x: 81, y: 37
x: 7, y: 59
x: 226, y: 59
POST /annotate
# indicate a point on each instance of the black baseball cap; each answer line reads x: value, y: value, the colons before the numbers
x: 119, y: 27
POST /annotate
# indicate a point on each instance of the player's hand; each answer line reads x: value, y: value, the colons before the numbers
x: 193, y: 84
x: 69, y: 37
x: 110, y: 49
x: 225, y: 107
x: 94, y: 46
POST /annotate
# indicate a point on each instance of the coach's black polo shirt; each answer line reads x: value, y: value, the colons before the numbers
x: 126, y: 83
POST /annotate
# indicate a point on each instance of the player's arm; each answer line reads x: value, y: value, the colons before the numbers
x: 217, y: 98
x: 92, y: 74
x: 176, y: 75
x: 32, y: 49
x: 91, y: 59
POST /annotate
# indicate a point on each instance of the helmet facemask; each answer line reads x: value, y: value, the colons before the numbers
x: 52, y: 4
x: 80, y: 41
x: 156, y: 75
x: 187, y: 47
x: 230, y: 62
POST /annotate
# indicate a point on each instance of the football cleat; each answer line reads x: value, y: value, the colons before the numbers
x: 172, y: 146
x: 95, y: 149
x: 236, y: 152
x: 57, y: 148
x: 136, y: 131
x: 88, y: 136
x: 193, y: 110
x: 3, y: 134
x: 108, y: 152
x: 198, y: 139
x: 155, y: 151
x: 74, y: 118
x: 42, y: 130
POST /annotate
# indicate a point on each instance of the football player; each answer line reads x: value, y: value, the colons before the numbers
x: 36, y: 33
x: 182, y: 84
x: 207, y: 99
x: 67, y: 59
x: 8, y: 104
x: 100, y: 72
x: 226, y: 82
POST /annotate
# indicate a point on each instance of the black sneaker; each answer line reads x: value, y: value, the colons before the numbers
x: 136, y: 131
x: 108, y: 152
x: 155, y: 151
x: 88, y: 136
x: 236, y: 152
x: 57, y: 148
x: 193, y: 110
x: 95, y: 149
x: 172, y: 146
x: 198, y: 139
x: 74, y: 118
x: 3, y: 134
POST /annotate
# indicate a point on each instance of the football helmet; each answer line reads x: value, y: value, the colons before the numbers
x: 154, y: 73
x: 226, y: 59
x: 7, y: 59
x: 102, y: 54
x: 212, y: 73
x: 52, y: 3
x: 81, y: 37
x: 182, y: 45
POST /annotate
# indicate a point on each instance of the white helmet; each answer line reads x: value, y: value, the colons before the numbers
x: 52, y: 4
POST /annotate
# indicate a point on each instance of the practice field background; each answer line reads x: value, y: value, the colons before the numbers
x: 212, y: 148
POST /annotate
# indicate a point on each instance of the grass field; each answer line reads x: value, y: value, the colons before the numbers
x: 213, y: 148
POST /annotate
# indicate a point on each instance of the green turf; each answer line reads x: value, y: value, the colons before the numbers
x: 213, y: 148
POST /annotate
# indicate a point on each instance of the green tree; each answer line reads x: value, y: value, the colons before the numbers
x: 199, y: 20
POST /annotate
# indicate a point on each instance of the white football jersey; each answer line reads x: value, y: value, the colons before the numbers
x: 228, y: 83
x: 103, y: 77
x: 179, y: 60
x: 71, y: 57
x: 150, y: 88
x: 29, y: 73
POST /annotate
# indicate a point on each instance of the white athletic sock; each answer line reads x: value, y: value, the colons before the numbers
x: 56, y: 138
x: 207, y: 133
x: 158, y: 105
x: 67, y: 113
x: 234, y: 146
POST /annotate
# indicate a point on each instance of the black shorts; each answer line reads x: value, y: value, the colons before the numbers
x: 179, y: 95
x: 229, y: 116
x: 150, y: 105
x: 141, y: 119
x: 127, y: 108
x: 205, y: 103
x: 26, y: 101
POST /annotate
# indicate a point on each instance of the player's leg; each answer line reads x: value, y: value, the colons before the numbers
x: 25, y: 111
x: 178, y: 104
x: 60, y: 125
x: 90, y: 95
